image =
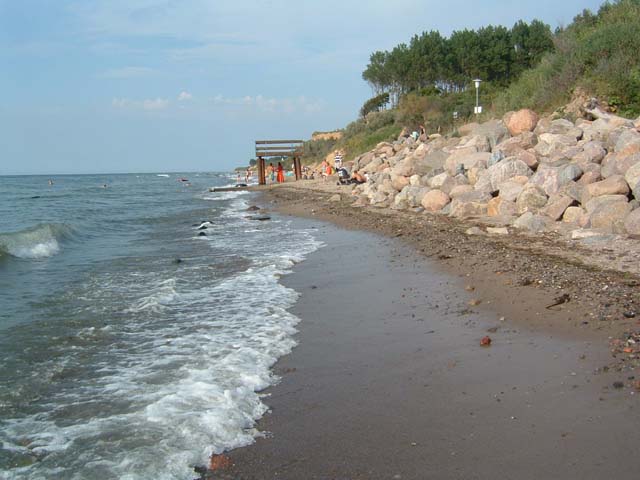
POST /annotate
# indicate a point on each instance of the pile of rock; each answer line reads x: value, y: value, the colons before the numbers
x: 534, y: 174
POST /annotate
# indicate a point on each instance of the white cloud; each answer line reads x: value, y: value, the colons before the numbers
x: 271, y: 105
x: 152, y: 104
x: 126, y: 72
x: 247, y: 104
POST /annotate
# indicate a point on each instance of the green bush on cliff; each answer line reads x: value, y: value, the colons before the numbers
x: 600, y: 53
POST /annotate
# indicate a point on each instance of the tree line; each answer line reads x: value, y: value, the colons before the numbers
x: 432, y: 62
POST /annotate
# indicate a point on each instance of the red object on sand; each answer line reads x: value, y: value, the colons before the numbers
x: 219, y: 462
x: 486, y: 341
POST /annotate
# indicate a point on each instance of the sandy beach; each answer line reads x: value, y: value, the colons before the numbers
x: 389, y: 379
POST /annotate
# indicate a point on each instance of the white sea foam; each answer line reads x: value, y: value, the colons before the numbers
x: 162, y: 294
x: 181, y: 378
x: 40, y: 241
x: 39, y: 250
x: 229, y: 195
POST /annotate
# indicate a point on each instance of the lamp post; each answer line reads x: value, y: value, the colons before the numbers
x: 478, y: 109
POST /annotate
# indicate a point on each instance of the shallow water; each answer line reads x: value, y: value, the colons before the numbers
x: 130, y: 346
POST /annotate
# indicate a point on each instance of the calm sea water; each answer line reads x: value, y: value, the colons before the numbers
x: 131, y: 347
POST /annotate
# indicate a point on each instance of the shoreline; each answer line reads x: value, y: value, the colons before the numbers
x: 542, y: 266
x: 567, y: 357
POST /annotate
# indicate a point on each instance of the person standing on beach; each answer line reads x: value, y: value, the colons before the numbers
x: 337, y: 159
x: 271, y: 173
x: 280, y: 173
x: 323, y: 170
x: 247, y: 176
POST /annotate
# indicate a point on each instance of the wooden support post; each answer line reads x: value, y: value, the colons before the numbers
x: 261, y: 172
x: 296, y: 168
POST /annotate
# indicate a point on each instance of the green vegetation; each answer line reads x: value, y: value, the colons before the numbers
x: 494, y: 54
x: 526, y: 66
x: 358, y: 137
x: 374, y: 104
x: 599, y: 53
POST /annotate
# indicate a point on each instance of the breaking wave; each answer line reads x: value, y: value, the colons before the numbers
x: 40, y: 241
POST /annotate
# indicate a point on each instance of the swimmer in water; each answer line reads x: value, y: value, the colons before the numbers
x: 50, y: 182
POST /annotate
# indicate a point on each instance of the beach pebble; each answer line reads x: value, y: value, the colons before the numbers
x: 474, y: 231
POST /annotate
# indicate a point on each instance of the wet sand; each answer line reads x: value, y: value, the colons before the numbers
x: 389, y: 380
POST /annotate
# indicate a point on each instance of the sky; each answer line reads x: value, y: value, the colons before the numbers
x: 109, y: 86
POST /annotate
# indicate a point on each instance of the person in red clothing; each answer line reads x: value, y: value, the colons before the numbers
x: 280, y: 173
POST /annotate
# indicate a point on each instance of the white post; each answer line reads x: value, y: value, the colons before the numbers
x: 478, y: 109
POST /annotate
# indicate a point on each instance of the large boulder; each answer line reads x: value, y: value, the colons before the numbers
x: 521, y: 121
x: 632, y: 222
x: 556, y: 206
x: 435, y: 200
x: 460, y: 190
x: 621, y: 161
x: 432, y: 160
x: 468, y: 128
x: 529, y: 158
x: 380, y: 199
x: 531, y: 222
x: 399, y: 181
x: 479, y: 142
x: 531, y: 199
x: 610, y: 216
x: 440, y: 180
x: 510, y: 190
x: 410, y: 196
x: 384, y: 149
x: 596, y: 202
x: 551, y: 178
x: 575, y: 215
x: 494, y: 130
x: 573, y: 190
x: 592, y: 152
x: 473, y: 204
x: 512, y: 146
x: 590, y: 174
x: 490, y: 180
x: 626, y: 138
x: 373, y: 166
x: 499, y: 207
x: 468, y: 156
x: 386, y: 186
x: 633, y: 180
x: 405, y: 167
x: 415, y: 180
x: 614, y: 185
x: 608, y: 166
x: 562, y: 126
x: 553, y: 143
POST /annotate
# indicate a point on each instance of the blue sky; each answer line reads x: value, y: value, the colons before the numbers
x: 93, y: 86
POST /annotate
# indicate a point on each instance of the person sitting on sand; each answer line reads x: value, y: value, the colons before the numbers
x: 357, y: 178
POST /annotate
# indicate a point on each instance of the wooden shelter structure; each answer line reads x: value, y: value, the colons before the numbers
x: 278, y: 148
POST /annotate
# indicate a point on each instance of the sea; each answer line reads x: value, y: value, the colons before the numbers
x: 140, y: 316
